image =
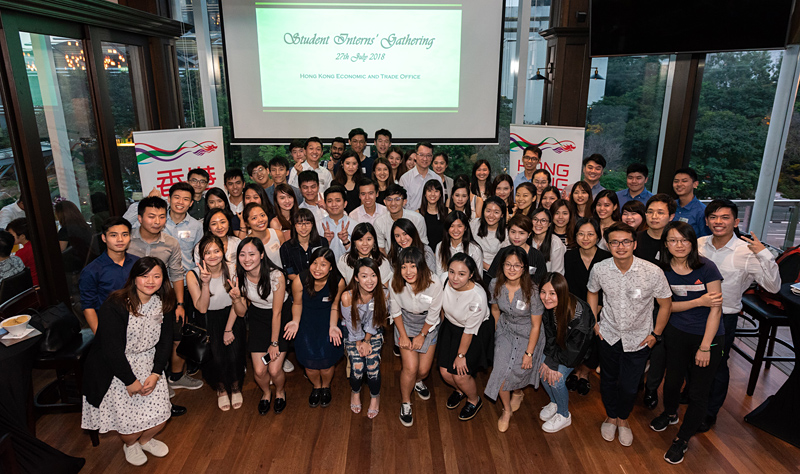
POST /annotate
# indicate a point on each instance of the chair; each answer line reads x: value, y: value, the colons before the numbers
x: 15, y: 285
x: 765, y: 319
x: 7, y: 457
x: 64, y: 393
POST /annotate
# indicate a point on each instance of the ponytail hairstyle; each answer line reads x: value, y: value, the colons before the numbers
x: 534, y: 197
x: 380, y: 312
x: 565, y: 310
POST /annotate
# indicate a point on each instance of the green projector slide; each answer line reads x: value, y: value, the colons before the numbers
x: 358, y: 58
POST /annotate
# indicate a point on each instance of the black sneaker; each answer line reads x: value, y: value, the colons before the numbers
x: 707, y: 423
x: 313, y: 399
x: 676, y: 451
x: 469, y: 411
x: 650, y: 398
x: 572, y: 382
x: 663, y: 420
x: 422, y: 390
x: 325, y: 398
x: 454, y: 400
x: 405, y: 415
x: 583, y: 387
x: 396, y: 351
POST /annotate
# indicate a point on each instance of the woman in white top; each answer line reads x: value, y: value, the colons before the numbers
x: 481, y: 179
x: 365, y: 245
x: 208, y: 286
x: 490, y: 230
x: 467, y: 333
x: 415, y: 303
x: 546, y: 242
x: 457, y: 237
x: 404, y: 235
x: 260, y: 291
x: 364, y: 325
x: 218, y: 222
x: 461, y: 200
x: 258, y: 222
x: 605, y: 208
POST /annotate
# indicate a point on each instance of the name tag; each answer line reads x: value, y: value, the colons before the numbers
x: 425, y: 299
x: 364, y: 169
x: 532, y: 270
x: 684, y: 219
x: 635, y: 293
x: 326, y: 299
x: 274, y: 247
x: 185, y: 234
x: 474, y: 307
x: 371, y: 306
x: 521, y: 305
x: 683, y: 290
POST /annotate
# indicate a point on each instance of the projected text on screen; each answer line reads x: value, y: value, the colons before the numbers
x: 348, y: 59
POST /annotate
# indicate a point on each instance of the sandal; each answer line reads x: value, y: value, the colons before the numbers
x: 237, y: 400
x: 223, y: 401
x: 355, y: 407
x: 373, y: 412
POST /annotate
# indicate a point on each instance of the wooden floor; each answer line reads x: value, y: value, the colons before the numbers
x: 304, y: 439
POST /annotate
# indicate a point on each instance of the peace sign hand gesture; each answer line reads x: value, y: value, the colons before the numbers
x: 754, y: 244
x: 343, y: 235
x: 328, y: 232
x: 234, y: 293
x: 205, y: 275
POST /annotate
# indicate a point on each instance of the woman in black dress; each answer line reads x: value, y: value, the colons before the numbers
x: 348, y: 175
x: 433, y: 210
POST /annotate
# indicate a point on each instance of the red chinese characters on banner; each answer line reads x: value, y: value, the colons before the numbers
x: 167, y: 178
x: 210, y: 170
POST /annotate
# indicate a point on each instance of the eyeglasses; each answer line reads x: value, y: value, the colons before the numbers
x: 617, y: 243
x: 393, y: 199
x: 543, y: 220
x: 530, y: 158
x: 198, y: 181
x: 674, y: 242
x: 424, y: 155
x: 656, y: 213
x: 512, y: 266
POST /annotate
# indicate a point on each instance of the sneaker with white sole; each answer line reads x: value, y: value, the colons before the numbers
x: 422, y: 390
x: 557, y: 423
x: 186, y: 382
x: 134, y: 454
x: 171, y: 392
x: 156, y: 448
x: 288, y: 366
x: 406, y: 417
x: 548, y: 411
x: 676, y: 451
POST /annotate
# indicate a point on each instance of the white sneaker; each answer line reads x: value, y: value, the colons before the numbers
x: 557, y: 423
x: 548, y: 411
x: 288, y: 366
x: 156, y: 448
x: 608, y: 430
x: 625, y: 436
x: 134, y: 454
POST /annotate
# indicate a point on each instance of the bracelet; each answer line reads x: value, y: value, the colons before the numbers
x: 230, y: 330
x: 701, y: 350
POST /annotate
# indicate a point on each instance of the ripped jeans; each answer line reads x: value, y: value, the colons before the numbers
x: 371, y: 364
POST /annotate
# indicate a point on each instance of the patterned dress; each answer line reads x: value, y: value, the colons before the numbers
x: 118, y: 411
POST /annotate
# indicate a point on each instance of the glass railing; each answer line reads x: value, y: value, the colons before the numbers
x: 781, y: 228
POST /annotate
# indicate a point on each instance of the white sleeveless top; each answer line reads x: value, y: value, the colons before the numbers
x: 255, y: 298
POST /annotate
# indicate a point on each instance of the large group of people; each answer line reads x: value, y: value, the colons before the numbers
x: 471, y: 273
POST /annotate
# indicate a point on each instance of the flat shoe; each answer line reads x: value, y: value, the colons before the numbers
x: 608, y: 430
x: 224, y: 402
x: 280, y: 404
x: 625, y: 436
x: 470, y: 410
x: 236, y: 400
x: 263, y: 407
x: 516, y: 401
x: 156, y: 448
x: 502, y: 425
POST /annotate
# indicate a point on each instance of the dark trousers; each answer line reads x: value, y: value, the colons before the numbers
x: 658, y: 362
x: 620, y: 373
x: 719, y: 387
x: 681, y: 348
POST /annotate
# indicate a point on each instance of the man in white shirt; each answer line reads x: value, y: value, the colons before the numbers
x: 625, y: 325
x: 395, y: 201
x: 369, y: 210
x: 309, y: 187
x: 414, y: 180
x: 13, y: 211
x: 312, y: 155
x: 234, y: 184
x: 336, y: 227
x: 741, y: 261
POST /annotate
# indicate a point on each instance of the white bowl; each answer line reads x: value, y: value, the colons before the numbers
x: 16, y: 325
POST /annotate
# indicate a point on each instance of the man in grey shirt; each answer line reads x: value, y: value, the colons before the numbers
x: 625, y: 325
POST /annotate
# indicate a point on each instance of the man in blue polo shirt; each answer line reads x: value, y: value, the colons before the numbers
x: 690, y: 209
x: 530, y: 161
x: 636, y: 176
x: 109, y: 271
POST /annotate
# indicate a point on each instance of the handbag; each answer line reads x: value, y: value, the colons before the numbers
x: 59, y: 327
x: 195, y: 344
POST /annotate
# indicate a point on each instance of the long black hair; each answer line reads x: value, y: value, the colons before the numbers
x: 211, y: 213
x: 359, y: 231
x: 305, y: 215
x: 483, y: 227
x: 333, y: 276
x: 466, y: 240
x: 616, y: 214
x: 380, y: 312
x: 686, y: 231
x: 461, y: 184
x: 341, y: 176
x: 128, y: 297
x: 433, y: 185
x: 424, y: 279
x: 473, y: 185
x: 409, y: 228
x: 496, y: 182
x: 216, y: 192
x: 263, y: 286
x: 211, y: 239
x: 265, y: 203
x: 548, y: 234
x: 284, y: 188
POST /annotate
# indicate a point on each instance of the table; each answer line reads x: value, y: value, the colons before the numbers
x: 779, y: 415
x: 33, y: 455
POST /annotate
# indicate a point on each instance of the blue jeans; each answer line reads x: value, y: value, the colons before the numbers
x: 558, y: 392
x: 371, y: 365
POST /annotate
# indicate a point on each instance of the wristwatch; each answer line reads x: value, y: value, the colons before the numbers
x: 658, y: 337
x: 461, y: 356
x: 274, y: 344
x: 180, y: 304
